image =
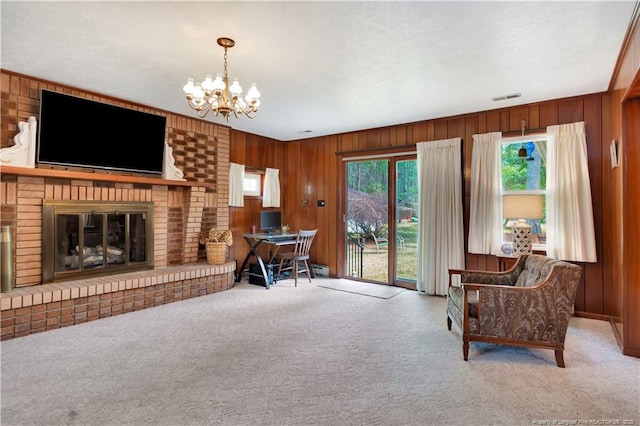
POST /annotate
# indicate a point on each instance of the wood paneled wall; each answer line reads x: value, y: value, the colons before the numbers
x: 630, y: 299
x: 621, y: 205
x: 311, y: 171
x: 256, y: 153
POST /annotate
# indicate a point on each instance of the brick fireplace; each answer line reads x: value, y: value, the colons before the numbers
x: 178, y: 210
x: 181, y: 209
x: 44, y: 300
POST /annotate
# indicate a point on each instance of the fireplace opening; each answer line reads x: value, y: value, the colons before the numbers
x: 88, y: 238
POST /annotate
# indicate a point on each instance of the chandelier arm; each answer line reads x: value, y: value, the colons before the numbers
x: 247, y: 109
x: 199, y: 108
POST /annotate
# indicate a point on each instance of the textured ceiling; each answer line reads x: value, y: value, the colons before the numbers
x: 327, y: 67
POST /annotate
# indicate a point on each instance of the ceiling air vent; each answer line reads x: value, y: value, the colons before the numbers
x: 505, y: 97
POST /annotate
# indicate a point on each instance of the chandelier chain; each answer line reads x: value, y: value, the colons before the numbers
x: 225, y: 62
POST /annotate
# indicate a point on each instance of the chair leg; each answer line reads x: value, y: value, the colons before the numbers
x: 277, y: 274
x: 448, y: 323
x: 559, y: 358
x: 295, y: 272
x: 465, y: 348
x: 306, y: 264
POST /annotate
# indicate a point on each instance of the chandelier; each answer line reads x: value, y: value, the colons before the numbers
x: 220, y: 98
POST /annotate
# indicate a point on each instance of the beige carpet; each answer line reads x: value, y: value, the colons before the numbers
x: 366, y: 289
x: 307, y: 356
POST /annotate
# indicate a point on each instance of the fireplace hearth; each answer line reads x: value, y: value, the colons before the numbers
x: 88, y: 238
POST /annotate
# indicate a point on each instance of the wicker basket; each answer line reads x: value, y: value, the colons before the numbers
x: 216, y: 253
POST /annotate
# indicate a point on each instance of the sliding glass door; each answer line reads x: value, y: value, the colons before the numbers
x: 381, y: 220
x: 406, y: 222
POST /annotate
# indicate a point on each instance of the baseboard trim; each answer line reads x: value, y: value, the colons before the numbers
x: 590, y: 315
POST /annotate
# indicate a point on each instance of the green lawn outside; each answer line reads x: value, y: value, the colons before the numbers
x: 375, y: 264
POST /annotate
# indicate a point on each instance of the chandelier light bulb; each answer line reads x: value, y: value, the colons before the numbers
x: 220, y: 98
x: 198, y: 92
x: 188, y: 88
x: 253, y: 95
x: 235, y: 88
x: 218, y: 84
x: 207, y: 84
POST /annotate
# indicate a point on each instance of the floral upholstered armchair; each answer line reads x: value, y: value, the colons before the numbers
x: 528, y: 305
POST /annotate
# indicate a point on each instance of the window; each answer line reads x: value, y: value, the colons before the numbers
x: 251, y: 184
x: 524, y: 172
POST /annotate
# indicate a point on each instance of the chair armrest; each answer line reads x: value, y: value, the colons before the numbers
x: 453, y: 272
x: 484, y: 277
x: 494, y: 287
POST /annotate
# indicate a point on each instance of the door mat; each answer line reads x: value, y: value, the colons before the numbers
x: 374, y: 290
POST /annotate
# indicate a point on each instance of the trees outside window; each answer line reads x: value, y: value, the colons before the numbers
x: 524, y: 172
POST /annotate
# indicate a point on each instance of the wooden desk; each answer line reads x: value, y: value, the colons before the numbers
x: 254, y: 241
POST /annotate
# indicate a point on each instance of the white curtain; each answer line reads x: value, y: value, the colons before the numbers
x: 440, y: 232
x: 485, y: 214
x: 236, y: 185
x: 271, y: 193
x: 570, y: 229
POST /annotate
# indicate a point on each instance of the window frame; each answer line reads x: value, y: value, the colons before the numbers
x: 251, y: 176
x: 515, y: 140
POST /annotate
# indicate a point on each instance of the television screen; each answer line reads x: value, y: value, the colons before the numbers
x: 83, y: 133
x: 270, y: 220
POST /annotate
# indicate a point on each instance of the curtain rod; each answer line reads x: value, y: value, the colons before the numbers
x: 371, y: 156
x: 539, y: 130
x: 386, y: 148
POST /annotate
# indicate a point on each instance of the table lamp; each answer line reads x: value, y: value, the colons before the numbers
x: 522, y: 207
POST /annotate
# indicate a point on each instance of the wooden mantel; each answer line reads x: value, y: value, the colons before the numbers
x: 95, y: 176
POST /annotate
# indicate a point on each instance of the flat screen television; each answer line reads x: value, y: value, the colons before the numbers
x: 270, y: 220
x: 77, y: 132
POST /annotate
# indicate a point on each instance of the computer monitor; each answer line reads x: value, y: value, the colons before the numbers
x: 270, y: 220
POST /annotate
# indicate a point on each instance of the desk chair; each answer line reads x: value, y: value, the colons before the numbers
x: 298, y: 257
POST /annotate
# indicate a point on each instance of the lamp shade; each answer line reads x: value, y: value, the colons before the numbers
x: 527, y: 206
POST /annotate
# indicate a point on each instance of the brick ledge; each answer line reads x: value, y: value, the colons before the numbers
x: 46, y: 293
